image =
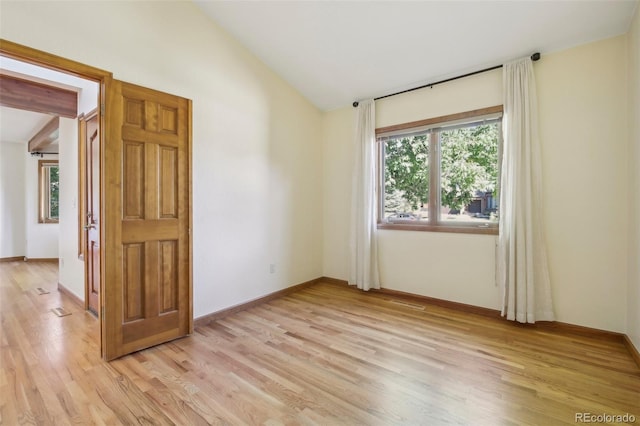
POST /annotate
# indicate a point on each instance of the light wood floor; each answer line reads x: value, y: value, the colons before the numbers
x: 326, y: 355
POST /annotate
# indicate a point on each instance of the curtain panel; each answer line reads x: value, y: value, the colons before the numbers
x: 363, y: 265
x: 522, y: 260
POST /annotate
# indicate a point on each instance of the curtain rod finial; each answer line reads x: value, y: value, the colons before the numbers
x: 355, y: 104
x: 535, y: 56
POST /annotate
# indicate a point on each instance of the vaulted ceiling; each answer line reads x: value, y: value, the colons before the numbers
x: 335, y: 52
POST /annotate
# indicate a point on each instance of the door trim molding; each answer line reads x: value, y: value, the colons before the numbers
x: 48, y: 60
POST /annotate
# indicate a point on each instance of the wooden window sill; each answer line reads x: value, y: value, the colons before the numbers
x: 422, y: 227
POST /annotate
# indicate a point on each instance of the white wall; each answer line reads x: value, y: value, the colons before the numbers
x: 41, y: 238
x: 457, y: 267
x: 583, y: 115
x: 338, y: 131
x: 583, y: 129
x: 633, y: 298
x: 71, y: 268
x: 257, y: 187
x: 12, y: 200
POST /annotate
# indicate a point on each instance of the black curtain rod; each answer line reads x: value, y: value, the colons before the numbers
x: 41, y: 154
x: 534, y: 58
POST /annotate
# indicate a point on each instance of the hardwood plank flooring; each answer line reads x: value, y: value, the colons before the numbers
x: 325, y: 355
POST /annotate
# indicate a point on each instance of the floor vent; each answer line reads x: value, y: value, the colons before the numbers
x: 61, y: 312
x: 41, y: 291
x: 407, y: 304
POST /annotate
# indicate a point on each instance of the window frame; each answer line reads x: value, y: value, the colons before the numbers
x: 431, y: 126
x: 44, y: 191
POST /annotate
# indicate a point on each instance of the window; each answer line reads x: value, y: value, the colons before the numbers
x: 49, y: 191
x: 441, y: 174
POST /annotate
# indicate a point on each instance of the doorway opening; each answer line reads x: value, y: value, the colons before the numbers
x: 56, y: 201
x: 66, y: 96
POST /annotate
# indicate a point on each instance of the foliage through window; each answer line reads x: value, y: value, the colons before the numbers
x: 443, y: 174
x: 49, y: 191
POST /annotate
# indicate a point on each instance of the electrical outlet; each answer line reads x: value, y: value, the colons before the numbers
x: 272, y: 268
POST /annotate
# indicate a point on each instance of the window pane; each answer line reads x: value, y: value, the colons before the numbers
x: 54, y: 192
x: 48, y: 191
x: 406, y: 178
x: 469, y: 174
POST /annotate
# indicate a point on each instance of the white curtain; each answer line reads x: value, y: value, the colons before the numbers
x: 522, y: 260
x: 363, y: 268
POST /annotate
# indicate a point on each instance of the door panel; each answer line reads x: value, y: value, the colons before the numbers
x: 133, y: 159
x: 169, y: 171
x: 168, y: 276
x: 147, y: 242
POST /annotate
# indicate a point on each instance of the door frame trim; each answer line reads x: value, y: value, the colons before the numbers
x: 104, y: 78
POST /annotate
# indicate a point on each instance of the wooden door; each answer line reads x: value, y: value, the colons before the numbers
x: 147, y: 216
x: 92, y: 209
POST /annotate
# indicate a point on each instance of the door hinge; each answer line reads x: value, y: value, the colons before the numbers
x: 102, y: 313
x: 102, y: 109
